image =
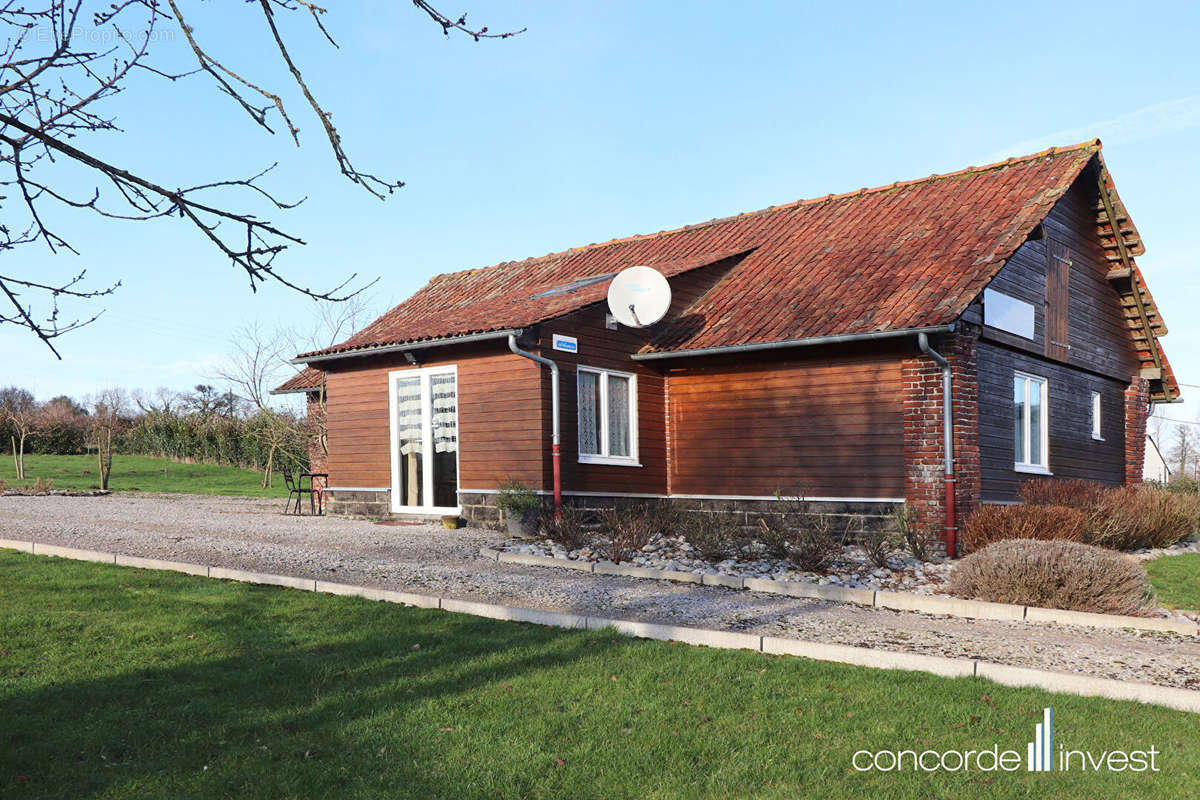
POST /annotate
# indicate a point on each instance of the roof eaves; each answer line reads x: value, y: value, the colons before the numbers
x: 418, y: 344
x: 813, y: 341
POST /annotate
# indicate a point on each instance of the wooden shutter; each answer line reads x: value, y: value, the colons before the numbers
x: 1058, y: 272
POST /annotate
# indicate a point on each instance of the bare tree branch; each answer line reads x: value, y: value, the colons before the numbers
x: 53, y: 81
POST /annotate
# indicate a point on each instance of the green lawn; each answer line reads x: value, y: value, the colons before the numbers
x: 141, y: 473
x: 1176, y: 579
x: 120, y: 683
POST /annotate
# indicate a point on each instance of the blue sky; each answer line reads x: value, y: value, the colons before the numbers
x: 607, y: 119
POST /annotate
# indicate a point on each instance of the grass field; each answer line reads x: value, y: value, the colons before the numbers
x: 119, y: 683
x: 141, y: 473
x: 1176, y: 579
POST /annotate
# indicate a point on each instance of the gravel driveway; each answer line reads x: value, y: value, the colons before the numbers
x: 252, y: 534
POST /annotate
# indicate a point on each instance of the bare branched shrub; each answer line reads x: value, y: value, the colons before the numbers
x: 1067, y: 575
x: 1143, y: 516
x: 1084, y: 495
x: 1123, y: 518
x: 918, y: 540
x: 799, y: 534
x: 990, y: 523
x: 715, y: 536
x: 877, y: 543
x: 628, y: 530
x: 566, y: 529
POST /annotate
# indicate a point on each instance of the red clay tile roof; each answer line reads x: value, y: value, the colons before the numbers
x: 306, y: 380
x: 909, y: 255
x: 513, y: 295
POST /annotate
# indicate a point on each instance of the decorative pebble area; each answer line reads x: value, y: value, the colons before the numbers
x: 246, y: 533
x: 851, y: 569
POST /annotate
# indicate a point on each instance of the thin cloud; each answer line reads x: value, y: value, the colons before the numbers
x: 1134, y: 126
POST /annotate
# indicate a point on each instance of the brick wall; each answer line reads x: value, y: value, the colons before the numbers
x: 923, y: 434
x: 1137, y: 406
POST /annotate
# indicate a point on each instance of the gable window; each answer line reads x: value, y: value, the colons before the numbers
x: 1097, y: 431
x: 1007, y: 313
x: 607, y: 416
x: 1031, y: 439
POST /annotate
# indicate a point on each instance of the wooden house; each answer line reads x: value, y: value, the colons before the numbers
x: 808, y: 348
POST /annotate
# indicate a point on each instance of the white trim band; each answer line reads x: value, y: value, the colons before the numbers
x: 701, y: 496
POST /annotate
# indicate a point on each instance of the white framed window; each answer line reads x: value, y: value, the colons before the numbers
x: 1008, y: 313
x: 607, y: 416
x: 1031, y: 423
x: 1097, y: 430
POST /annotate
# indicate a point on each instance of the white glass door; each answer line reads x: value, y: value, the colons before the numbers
x: 424, y: 440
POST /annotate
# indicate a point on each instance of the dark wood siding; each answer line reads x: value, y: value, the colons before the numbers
x: 499, y: 418
x: 830, y: 425
x: 606, y: 349
x: 1101, y: 356
x: 602, y: 348
x: 1096, y: 329
x: 1073, y: 452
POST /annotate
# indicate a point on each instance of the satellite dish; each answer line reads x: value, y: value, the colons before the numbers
x: 639, y: 296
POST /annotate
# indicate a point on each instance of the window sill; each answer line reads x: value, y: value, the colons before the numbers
x: 611, y: 461
x: 1031, y: 469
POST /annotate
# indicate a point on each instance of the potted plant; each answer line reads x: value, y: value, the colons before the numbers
x: 519, y: 504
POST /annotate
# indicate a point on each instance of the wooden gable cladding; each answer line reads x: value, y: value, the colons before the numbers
x: 1073, y: 453
x: 1093, y: 317
x: 499, y: 417
x: 829, y: 424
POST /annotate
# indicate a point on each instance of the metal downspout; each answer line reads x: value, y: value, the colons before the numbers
x: 947, y: 441
x: 555, y: 443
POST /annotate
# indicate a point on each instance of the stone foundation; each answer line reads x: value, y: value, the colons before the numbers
x: 358, y: 504
x: 480, y: 509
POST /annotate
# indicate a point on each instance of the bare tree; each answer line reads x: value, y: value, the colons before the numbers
x: 255, y: 363
x: 162, y: 401
x: 18, y: 409
x: 53, y: 84
x: 1184, y: 451
x: 108, y: 418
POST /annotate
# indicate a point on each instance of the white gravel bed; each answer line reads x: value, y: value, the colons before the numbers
x: 851, y: 568
x: 252, y: 534
x: 1149, y: 554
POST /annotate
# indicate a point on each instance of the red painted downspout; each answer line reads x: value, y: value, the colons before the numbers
x: 950, y: 536
x: 555, y: 443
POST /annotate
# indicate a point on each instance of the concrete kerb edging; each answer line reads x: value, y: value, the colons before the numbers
x: 1171, y: 697
x: 895, y: 601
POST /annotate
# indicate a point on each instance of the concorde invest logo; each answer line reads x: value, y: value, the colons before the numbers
x: 1040, y: 756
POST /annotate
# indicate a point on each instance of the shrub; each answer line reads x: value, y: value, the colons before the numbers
x: 990, y: 523
x: 1084, y: 495
x: 567, y: 528
x: 1142, y: 516
x: 808, y: 543
x: 629, y: 530
x: 1184, y: 484
x: 715, y: 536
x: 1067, y: 575
x: 516, y: 499
x: 878, y: 543
x: 1124, y: 518
x: 919, y: 541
